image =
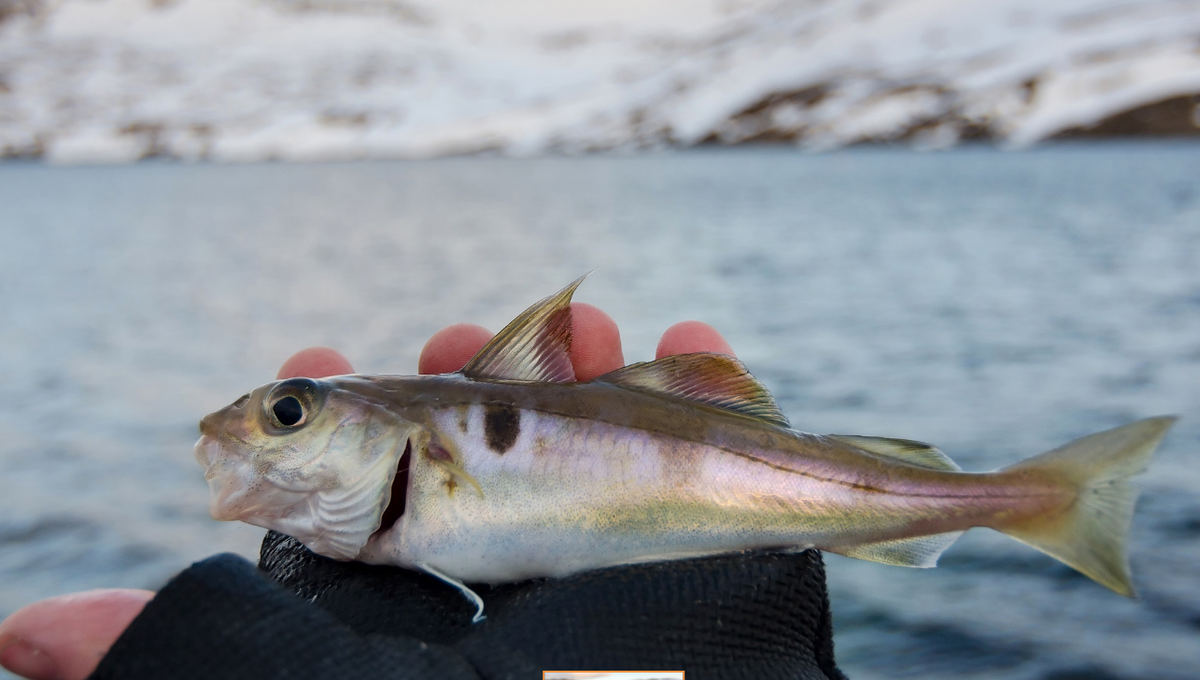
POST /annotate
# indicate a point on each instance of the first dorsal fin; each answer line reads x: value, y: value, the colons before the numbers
x: 907, y: 451
x: 714, y: 379
x: 535, y: 346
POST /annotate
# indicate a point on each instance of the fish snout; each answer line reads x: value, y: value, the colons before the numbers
x: 208, y: 425
x: 213, y: 423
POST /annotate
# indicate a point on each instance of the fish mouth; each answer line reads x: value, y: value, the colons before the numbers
x: 225, y: 476
x: 207, y: 451
x: 397, y: 495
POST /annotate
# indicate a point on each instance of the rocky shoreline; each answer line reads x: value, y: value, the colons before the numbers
x: 236, y: 80
x: 1174, y: 117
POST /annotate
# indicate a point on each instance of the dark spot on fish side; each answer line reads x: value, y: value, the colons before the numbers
x: 399, y: 494
x: 501, y: 425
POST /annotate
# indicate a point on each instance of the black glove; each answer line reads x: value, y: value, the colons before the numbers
x: 762, y: 616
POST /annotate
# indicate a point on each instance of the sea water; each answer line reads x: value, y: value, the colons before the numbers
x: 995, y: 304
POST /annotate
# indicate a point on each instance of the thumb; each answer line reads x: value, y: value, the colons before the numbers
x: 64, y: 637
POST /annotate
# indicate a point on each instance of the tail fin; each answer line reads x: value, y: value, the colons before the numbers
x: 1090, y: 535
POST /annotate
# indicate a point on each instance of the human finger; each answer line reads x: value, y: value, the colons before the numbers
x: 64, y: 637
x: 451, y: 348
x: 595, y: 349
x: 314, y: 362
x: 595, y: 342
x: 686, y: 337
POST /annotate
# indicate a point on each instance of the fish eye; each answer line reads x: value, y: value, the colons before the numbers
x: 288, y: 412
x: 292, y: 403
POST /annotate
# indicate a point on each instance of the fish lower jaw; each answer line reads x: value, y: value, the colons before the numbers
x: 340, y: 536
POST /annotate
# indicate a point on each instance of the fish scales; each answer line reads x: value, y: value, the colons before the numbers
x: 657, y: 490
x: 512, y: 469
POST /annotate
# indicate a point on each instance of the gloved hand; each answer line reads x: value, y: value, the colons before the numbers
x: 759, y: 616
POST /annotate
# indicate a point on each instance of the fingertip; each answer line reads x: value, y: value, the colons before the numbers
x: 314, y: 362
x: 65, y: 637
x: 451, y: 348
x: 687, y: 337
x: 595, y: 342
x: 20, y: 658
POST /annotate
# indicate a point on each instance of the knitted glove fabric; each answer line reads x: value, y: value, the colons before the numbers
x: 761, y: 616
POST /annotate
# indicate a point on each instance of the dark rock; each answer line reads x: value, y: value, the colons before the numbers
x: 1174, y: 117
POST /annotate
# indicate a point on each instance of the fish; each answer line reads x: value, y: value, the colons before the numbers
x: 512, y: 469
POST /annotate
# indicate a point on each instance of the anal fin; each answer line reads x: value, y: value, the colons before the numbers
x: 921, y: 552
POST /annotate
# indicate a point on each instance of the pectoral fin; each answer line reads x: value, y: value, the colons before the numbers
x: 439, y: 455
x: 456, y: 472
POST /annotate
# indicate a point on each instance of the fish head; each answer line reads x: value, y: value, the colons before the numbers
x: 308, y: 458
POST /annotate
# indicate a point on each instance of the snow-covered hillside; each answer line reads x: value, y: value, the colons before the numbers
x: 237, y: 80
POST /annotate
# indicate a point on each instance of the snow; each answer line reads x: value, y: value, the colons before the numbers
x: 245, y: 80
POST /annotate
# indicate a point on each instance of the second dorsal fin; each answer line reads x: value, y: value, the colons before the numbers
x: 535, y: 346
x: 714, y: 379
x: 907, y: 451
